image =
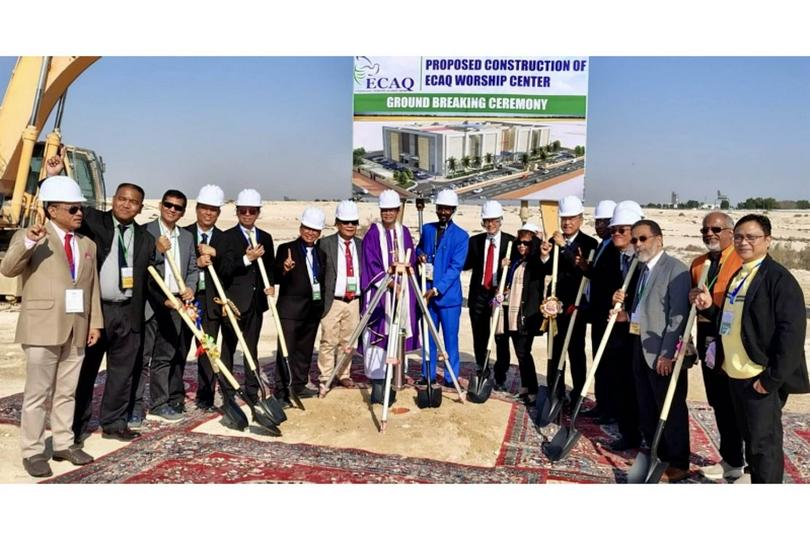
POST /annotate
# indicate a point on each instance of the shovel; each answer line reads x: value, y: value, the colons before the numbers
x: 260, y: 415
x: 230, y: 410
x: 552, y: 405
x: 428, y: 395
x: 480, y: 387
x: 282, y: 342
x: 269, y: 404
x: 648, y: 469
x: 566, y: 437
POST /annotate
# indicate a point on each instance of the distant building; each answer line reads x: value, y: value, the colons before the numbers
x: 429, y: 147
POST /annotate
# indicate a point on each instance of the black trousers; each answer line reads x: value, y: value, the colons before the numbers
x: 718, y: 393
x: 576, y: 356
x: 602, y: 382
x: 300, y: 337
x: 651, y: 389
x: 759, y: 417
x: 163, y: 362
x: 206, y: 379
x: 480, y: 320
x: 523, y: 351
x: 122, y: 345
x: 251, y: 326
x: 620, y: 384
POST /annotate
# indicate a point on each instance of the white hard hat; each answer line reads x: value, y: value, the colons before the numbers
x: 604, y: 210
x: 60, y: 189
x: 624, y: 216
x: 491, y: 210
x: 347, y: 211
x: 631, y: 205
x: 211, y: 195
x: 389, y: 199
x: 570, y: 205
x: 249, y: 197
x: 313, y: 218
x: 447, y: 197
x: 529, y: 226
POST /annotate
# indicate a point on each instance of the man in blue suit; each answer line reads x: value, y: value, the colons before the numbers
x: 443, y: 249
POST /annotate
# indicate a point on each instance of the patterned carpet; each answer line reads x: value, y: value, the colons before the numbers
x: 173, y: 453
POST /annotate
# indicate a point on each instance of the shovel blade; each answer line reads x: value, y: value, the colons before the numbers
x: 428, y: 397
x: 273, y: 409
x: 261, y: 417
x: 235, y: 417
x: 552, y: 405
x: 563, y: 442
x: 480, y: 387
x: 656, y: 471
x: 638, y: 472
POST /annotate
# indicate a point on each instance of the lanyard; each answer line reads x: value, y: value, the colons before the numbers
x: 124, y: 246
x: 312, y: 265
x: 732, y: 296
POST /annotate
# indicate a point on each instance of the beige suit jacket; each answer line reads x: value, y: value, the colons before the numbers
x: 46, y: 275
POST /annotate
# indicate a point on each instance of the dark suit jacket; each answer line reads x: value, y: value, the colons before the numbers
x: 605, y: 279
x: 477, y: 297
x: 99, y: 227
x: 568, y: 275
x: 243, y: 284
x: 216, y: 241
x: 774, y: 324
x: 329, y: 247
x: 187, y: 267
x: 295, y: 294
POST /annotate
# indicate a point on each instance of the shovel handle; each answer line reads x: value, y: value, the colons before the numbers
x: 232, y: 318
x: 606, y: 336
x: 687, y: 332
x: 273, y: 310
x: 497, y: 309
x: 175, y: 270
x: 554, y: 269
x: 193, y: 327
x: 582, y: 284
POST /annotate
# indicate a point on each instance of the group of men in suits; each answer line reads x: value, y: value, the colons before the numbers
x: 85, y: 275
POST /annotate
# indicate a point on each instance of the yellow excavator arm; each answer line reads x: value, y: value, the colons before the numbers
x: 17, y: 133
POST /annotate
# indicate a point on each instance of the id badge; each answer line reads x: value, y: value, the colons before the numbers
x: 725, y: 323
x: 127, y: 279
x: 316, y: 291
x: 351, y: 284
x: 74, y: 301
x: 429, y: 271
x: 711, y: 353
x: 635, y: 326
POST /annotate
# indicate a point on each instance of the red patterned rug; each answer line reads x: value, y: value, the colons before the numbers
x: 173, y: 453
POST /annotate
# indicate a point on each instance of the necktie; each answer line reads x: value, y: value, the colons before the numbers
x: 642, y: 281
x: 122, y: 255
x: 201, y: 281
x: 69, y: 254
x: 625, y: 264
x: 349, y: 269
x: 714, y: 269
x: 488, y: 264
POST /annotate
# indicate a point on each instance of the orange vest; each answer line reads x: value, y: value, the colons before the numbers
x: 730, y: 262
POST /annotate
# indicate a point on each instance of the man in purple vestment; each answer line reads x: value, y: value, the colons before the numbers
x: 384, y: 244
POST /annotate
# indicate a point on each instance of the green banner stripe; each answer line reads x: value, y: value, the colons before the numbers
x: 430, y: 104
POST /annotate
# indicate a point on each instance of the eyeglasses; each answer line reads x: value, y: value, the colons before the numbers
x: 524, y: 243
x: 72, y: 210
x: 716, y: 230
x: 354, y: 223
x: 247, y: 210
x: 619, y: 230
x: 172, y: 206
x: 635, y: 240
x: 750, y: 238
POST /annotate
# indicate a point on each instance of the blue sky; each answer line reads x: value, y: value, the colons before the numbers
x: 283, y: 125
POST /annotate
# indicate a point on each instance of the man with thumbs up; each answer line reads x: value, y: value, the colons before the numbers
x: 243, y: 245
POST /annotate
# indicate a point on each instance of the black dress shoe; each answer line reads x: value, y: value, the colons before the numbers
x: 122, y: 434
x: 37, y: 466
x: 623, y: 444
x: 74, y: 455
x: 306, y: 392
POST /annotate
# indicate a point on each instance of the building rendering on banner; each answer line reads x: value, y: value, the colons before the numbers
x: 430, y: 147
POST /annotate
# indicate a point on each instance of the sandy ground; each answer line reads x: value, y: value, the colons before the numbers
x: 344, y: 418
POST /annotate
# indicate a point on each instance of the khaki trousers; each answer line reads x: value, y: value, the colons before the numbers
x: 51, y: 375
x: 336, y: 329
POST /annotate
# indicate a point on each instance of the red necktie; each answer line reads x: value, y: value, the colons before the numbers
x: 349, y: 269
x: 488, y: 264
x: 69, y: 252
